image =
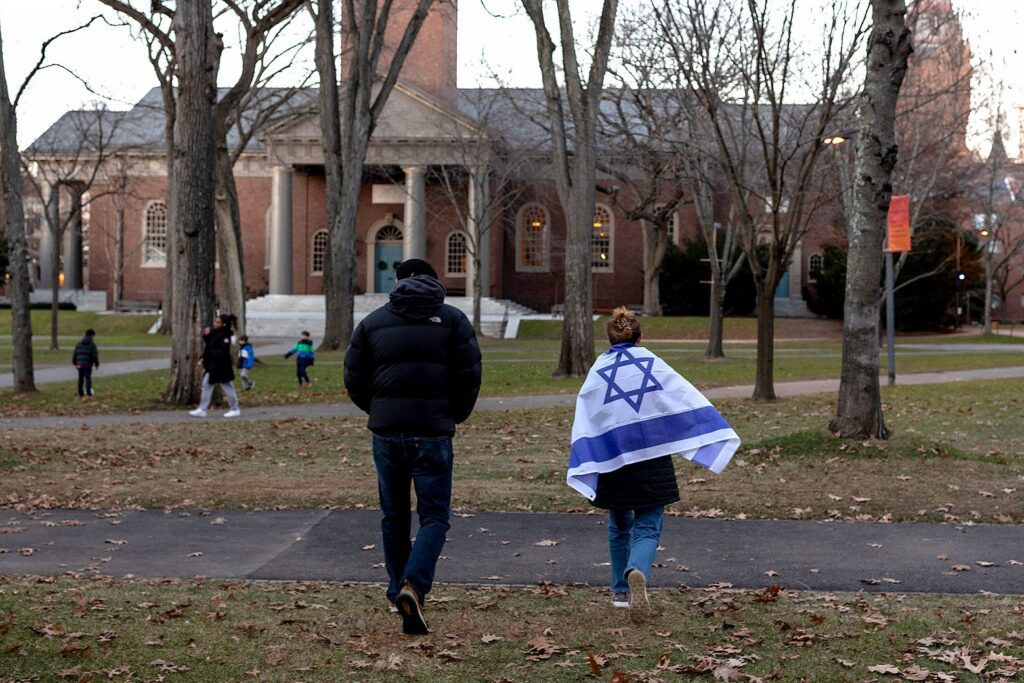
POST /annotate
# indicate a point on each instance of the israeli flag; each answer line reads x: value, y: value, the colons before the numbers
x: 634, y: 407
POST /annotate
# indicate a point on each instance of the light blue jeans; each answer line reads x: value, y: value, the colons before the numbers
x: 633, y: 537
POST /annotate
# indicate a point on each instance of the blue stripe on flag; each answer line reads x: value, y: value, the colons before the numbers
x: 646, y: 433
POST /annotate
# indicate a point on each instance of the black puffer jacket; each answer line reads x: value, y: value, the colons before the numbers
x: 646, y: 484
x: 414, y: 364
x: 217, y: 358
x: 86, y: 354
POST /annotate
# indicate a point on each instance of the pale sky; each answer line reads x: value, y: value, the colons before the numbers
x: 115, y: 66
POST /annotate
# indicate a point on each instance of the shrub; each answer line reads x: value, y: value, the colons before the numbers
x: 684, y: 283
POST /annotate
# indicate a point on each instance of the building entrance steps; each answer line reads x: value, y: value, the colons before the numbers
x: 517, y: 548
x: 284, y: 315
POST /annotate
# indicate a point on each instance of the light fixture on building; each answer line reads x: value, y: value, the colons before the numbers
x: 834, y: 140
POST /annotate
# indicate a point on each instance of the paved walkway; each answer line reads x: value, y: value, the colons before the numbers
x: 516, y: 549
x: 67, y: 373
x: 345, y: 409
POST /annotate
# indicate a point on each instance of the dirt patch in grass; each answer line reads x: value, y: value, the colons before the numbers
x: 80, y: 629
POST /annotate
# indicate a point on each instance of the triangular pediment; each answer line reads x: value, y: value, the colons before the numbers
x: 408, y: 115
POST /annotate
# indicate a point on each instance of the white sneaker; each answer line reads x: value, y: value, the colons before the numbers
x: 233, y: 413
x: 198, y: 412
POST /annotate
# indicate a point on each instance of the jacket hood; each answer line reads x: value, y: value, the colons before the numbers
x: 417, y: 297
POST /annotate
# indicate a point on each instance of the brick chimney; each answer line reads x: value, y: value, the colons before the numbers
x: 432, y: 63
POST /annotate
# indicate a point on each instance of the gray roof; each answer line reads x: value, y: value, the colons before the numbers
x: 142, y: 126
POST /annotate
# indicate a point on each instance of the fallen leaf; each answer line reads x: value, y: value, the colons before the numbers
x: 884, y: 669
x: 546, y: 543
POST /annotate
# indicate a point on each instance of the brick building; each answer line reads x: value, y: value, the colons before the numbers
x: 407, y: 208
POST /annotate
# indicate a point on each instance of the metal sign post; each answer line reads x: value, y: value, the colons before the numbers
x: 897, y: 238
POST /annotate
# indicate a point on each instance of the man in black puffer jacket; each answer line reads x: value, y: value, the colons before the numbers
x: 414, y: 366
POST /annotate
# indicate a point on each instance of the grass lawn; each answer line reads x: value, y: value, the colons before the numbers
x: 110, y: 629
x: 688, y: 327
x: 71, y: 325
x: 511, y: 368
x: 957, y: 455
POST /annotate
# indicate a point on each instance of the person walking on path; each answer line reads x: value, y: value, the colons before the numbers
x: 85, y: 357
x: 414, y: 366
x: 632, y: 414
x: 246, y: 360
x: 217, y: 366
x: 304, y: 357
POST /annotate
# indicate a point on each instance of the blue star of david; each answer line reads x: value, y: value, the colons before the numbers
x: 634, y: 397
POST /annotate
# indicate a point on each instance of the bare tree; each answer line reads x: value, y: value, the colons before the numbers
x: 486, y: 177
x: 574, y: 159
x: 17, y: 244
x: 245, y: 106
x: 71, y: 162
x: 998, y: 223
x: 197, y: 48
x: 118, y: 188
x: 859, y: 412
x: 155, y: 30
x: 346, y: 131
x: 768, y: 146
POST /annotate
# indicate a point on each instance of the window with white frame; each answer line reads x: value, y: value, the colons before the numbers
x: 815, y: 264
x: 532, y: 230
x: 319, y: 252
x: 601, y: 239
x: 456, y: 254
x: 154, y: 252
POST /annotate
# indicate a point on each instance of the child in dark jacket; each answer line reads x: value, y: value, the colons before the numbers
x: 304, y: 357
x: 85, y: 357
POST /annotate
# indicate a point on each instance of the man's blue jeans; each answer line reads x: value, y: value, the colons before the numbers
x: 423, y: 462
x: 633, y: 537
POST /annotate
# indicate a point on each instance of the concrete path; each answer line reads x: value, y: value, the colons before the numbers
x: 67, y: 373
x: 516, y: 549
x: 345, y: 409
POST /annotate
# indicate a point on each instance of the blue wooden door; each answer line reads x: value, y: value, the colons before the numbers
x: 387, y: 258
x: 782, y: 291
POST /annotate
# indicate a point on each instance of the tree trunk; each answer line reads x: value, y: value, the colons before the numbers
x: 987, y: 317
x: 167, y: 305
x: 330, y: 139
x: 118, y: 280
x: 53, y: 225
x: 198, y: 54
x: 859, y: 413
x: 764, y: 378
x: 17, y: 245
x: 716, y: 320
x: 229, y: 240
x: 655, y: 246
x: 577, y: 350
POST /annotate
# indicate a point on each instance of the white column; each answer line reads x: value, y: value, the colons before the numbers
x: 46, y: 241
x: 281, y: 231
x: 414, y: 240
x: 73, y: 242
x: 479, y: 232
x: 796, y: 269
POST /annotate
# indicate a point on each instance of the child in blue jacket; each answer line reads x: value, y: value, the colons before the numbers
x: 304, y: 357
x: 246, y: 360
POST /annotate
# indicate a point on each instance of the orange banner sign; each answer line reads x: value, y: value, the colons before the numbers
x: 899, y: 223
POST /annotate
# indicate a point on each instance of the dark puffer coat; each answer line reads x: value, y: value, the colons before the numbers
x: 217, y: 359
x: 646, y: 484
x: 414, y: 364
x: 86, y: 355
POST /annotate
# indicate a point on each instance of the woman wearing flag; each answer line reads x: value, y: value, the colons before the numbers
x: 632, y: 414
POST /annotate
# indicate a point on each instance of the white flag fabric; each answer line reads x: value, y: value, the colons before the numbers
x: 634, y: 407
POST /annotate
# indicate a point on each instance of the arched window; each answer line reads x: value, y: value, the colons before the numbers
x: 601, y: 240
x: 389, y: 233
x: 532, y: 231
x: 319, y: 251
x: 456, y: 254
x: 154, y: 231
x: 815, y: 264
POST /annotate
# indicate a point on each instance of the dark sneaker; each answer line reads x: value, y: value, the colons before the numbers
x: 620, y: 600
x: 408, y: 605
x: 639, y: 603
